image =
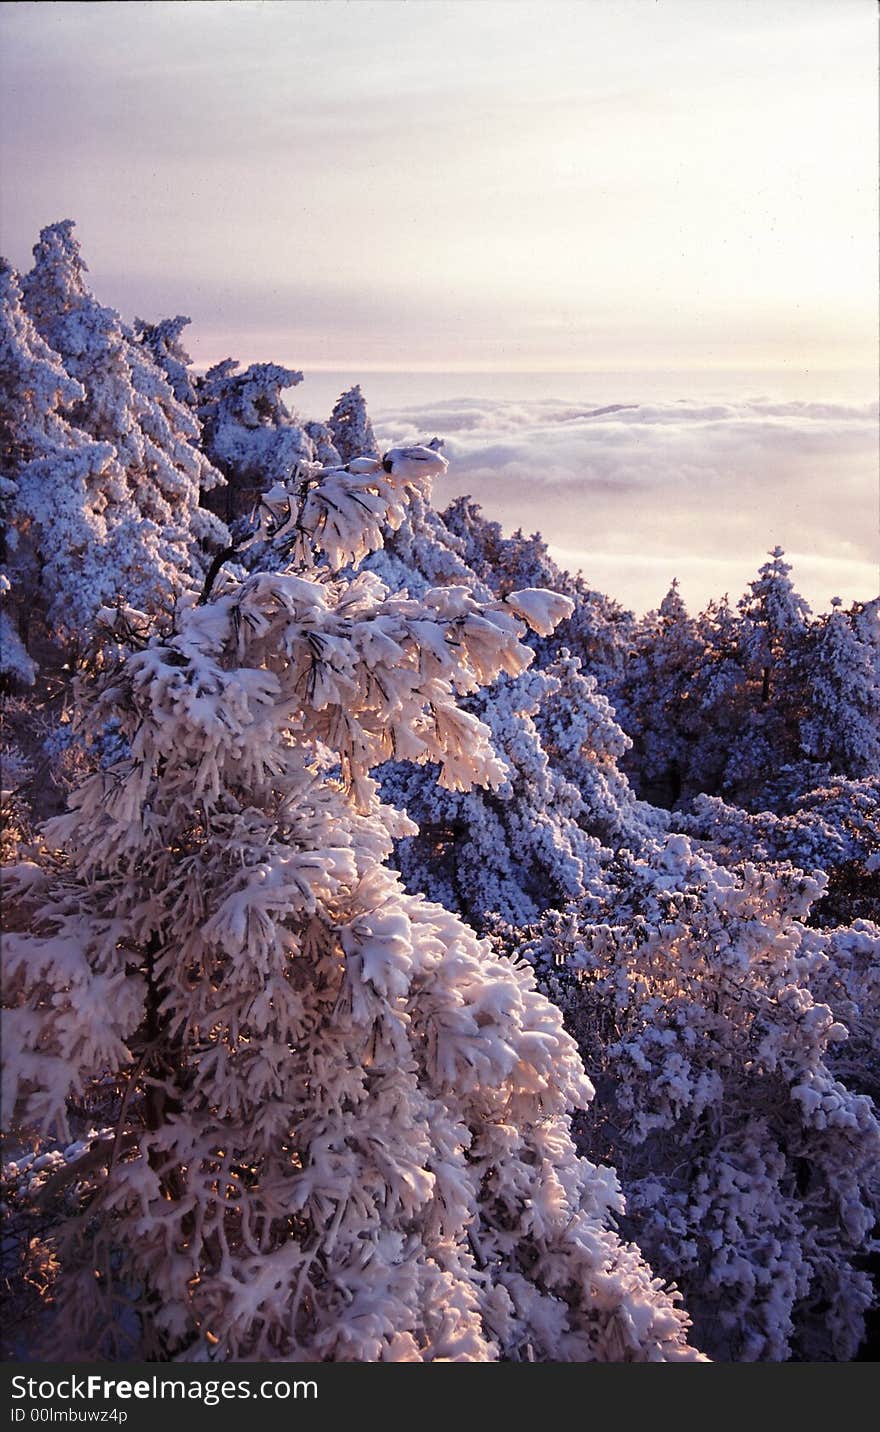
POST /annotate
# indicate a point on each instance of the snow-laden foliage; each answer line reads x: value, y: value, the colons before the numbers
x: 540, y: 838
x: 712, y: 698
x: 424, y: 553
x: 599, y: 632
x: 579, y: 732
x: 655, y: 700
x: 773, y: 612
x: 834, y: 828
x: 546, y: 834
x: 157, y: 533
x: 250, y: 433
x: 322, y: 442
x: 54, y: 490
x: 512, y: 850
x: 848, y: 980
x: 312, y: 518
x: 841, y: 727
x: 759, y: 704
x: 163, y: 342
x: 351, y: 431
x: 343, y: 1131
x: 771, y: 640
x: 748, y: 1166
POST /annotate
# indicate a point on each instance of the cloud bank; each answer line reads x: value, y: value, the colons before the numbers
x: 634, y: 494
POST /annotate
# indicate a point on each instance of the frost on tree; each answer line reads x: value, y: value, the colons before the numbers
x: 423, y: 553
x: 655, y: 700
x: 759, y: 704
x: 772, y: 613
x: 773, y: 634
x: 708, y: 1013
x: 343, y: 1122
x: 833, y: 828
x: 538, y: 839
x: 509, y: 851
x: 718, y: 690
x: 598, y: 632
x: 250, y: 433
x: 841, y: 726
x: 322, y: 442
x: 583, y: 741
x: 503, y: 563
x: 350, y: 428
x: 163, y: 342
x: 547, y: 833
x: 158, y: 536
x: 55, y: 489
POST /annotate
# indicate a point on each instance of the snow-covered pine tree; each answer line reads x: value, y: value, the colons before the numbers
x: 654, y: 698
x: 773, y: 630
x: 158, y: 536
x: 835, y: 832
x: 423, y: 552
x: 322, y: 443
x: 544, y: 836
x: 774, y: 616
x: 841, y: 726
x: 537, y: 840
x: 848, y: 981
x: 696, y: 996
x: 342, y: 1129
x: 54, y: 494
x: 249, y: 431
x: 833, y: 828
x: 511, y: 851
x: 350, y: 428
x: 162, y: 339
x: 599, y: 631
x: 718, y: 694
x: 480, y: 540
x: 583, y: 741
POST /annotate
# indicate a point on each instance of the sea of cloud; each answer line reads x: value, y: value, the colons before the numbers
x: 635, y: 494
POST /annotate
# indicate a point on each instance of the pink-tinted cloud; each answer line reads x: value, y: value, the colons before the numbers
x: 640, y: 493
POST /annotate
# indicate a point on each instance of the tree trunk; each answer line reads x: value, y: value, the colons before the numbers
x: 765, y: 687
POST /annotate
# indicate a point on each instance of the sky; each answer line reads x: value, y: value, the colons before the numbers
x: 477, y: 185
x: 499, y: 215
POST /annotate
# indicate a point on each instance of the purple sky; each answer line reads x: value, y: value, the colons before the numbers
x: 603, y: 184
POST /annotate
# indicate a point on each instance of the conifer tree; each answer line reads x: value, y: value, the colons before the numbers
x: 163, y: 342
x: 773, y: 633
x: 697, y: 994
x: 350, y: 428
x: 322, y: 443
x: 538, y: 839
x: 57, y: 571
x: 599, y: 632
x: 158, y: 536
x: 511, y: 851
x: 343, y: 1123
x: 774, y: 617
x: 719, y: 695
x: 841, y: 725
x: 655, y: 699
x: 250, y: 433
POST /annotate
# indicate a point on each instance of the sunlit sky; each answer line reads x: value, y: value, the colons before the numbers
x: 606, y: 184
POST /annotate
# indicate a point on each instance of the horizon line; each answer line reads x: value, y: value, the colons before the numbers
x: 371, y: 366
